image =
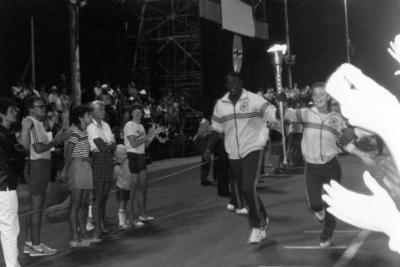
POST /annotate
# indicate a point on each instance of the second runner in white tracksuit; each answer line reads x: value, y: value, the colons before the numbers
x: 242, y: 117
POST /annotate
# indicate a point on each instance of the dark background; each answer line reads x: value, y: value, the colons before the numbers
x: 317, y: 38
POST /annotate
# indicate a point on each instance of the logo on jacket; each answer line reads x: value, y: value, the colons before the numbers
x: 334, y: 121
x: 244, y: 106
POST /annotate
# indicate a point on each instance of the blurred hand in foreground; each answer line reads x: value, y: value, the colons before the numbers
x: 394, y: 50
x: 376, y: 212
x: 358, y: 95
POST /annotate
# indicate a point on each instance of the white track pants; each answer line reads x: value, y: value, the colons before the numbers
x: 9, y: 227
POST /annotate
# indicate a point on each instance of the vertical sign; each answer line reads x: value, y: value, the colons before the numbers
x: 237, y: 53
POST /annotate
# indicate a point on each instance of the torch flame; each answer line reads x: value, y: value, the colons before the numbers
x: 277, y: 48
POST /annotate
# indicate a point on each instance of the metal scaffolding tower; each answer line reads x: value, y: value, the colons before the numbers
x: 167, y: 53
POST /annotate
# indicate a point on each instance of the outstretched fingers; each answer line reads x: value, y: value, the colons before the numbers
x: 373, y: 185
x: 340, y: 199
x: 338, y: 87
x: 334, y: 188
x: 343, y: 216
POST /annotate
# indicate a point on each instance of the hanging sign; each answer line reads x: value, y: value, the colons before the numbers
x: 237, y: 53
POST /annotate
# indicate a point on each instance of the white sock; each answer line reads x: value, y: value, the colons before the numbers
x: 90, y: 215
x: 320, y: 214
x: 121, y: 216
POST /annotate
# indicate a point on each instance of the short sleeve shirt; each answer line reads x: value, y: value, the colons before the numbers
x: 137, y: 130
x: 38, y: 135
x: 81, y: 141
x: 102, y: 131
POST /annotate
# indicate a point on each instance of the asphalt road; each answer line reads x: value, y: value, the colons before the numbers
x: 193, y: 228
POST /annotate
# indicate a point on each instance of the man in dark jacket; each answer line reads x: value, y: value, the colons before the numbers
x: 10, y: 155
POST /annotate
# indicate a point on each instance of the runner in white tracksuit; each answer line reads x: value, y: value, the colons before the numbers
x: 322, y: 131
x: 242, y: 116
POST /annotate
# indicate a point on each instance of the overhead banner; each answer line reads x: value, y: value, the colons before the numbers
x: 237, y: 17
x: 210, y: 9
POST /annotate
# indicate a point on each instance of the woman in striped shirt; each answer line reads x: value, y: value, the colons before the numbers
x: 79, y: 173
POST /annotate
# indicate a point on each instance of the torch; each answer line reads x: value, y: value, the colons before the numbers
x: 277, y: 53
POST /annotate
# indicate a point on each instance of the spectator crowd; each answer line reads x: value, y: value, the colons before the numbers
x: 101, y: 145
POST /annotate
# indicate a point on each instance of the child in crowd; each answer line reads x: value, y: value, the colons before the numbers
x: 124, y: 181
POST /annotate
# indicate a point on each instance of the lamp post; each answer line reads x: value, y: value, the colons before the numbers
x: 277, y: 53
x: 348, y: 41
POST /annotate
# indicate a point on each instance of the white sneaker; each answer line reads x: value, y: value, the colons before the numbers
x: 146, y: 218
x: 47, y: 248
x: 242, y: 211
x: 89, y: 226
x: 137, y: 224
x: 42, y: 250
x: 27, y: 247
x: 320, y: 216
x: 257, y: 235
x: 325, y: 244
x: 230, y: 207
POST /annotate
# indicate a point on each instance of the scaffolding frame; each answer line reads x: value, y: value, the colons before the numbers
x: 167, y: 53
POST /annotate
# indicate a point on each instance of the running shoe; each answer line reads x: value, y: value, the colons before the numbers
x: 146, y: 218
x: 257, y: 235
x: 41, y: 250
x: 138, y: 224
x: 242, y: 211
x: 124, y: 226
x: 230, y: 207
x: 47, y: 248
x: 325, y: 243
x: 27, y: 247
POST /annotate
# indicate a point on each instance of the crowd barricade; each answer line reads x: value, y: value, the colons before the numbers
x: 179, y: 148
x: 174, y: 148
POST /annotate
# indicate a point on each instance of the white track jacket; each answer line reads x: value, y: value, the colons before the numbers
x: 244, y: 124
x: 320, y: 135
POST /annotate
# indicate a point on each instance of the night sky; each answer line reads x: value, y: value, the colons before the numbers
x: 317, y: 38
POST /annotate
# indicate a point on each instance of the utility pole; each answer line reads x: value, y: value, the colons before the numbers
x: 33, y: 53
x: 74, y: 50
x: 289, y: 58
x: 348, y: 41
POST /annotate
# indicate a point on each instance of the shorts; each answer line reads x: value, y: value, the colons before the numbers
x: 80, y: 174
x: 123, y: 194
x: 137, y: 162
x: 37, y: 175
